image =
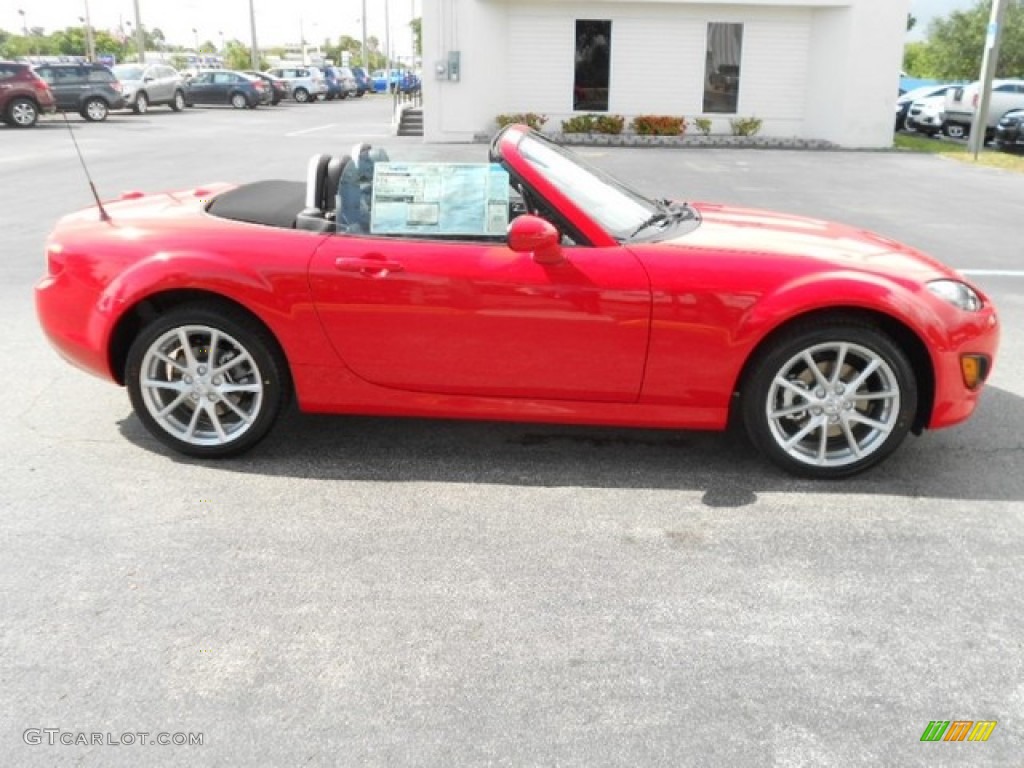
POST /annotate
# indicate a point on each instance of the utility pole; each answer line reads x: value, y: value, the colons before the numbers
x: 366, y: 55
x: 90, y: 41
x: 988, y: 69
x: 255, y: 51
x: 140, y: 35
x: 387, y: 41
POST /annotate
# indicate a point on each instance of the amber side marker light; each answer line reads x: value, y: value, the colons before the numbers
x: 974, y: 369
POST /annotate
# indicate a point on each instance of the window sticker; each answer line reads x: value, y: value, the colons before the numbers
x: 439, y: 199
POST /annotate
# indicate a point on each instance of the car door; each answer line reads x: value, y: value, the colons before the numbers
x: 65, y: 85
x: 159, y: 85
x: 476, y: 318
x: 201, y: 89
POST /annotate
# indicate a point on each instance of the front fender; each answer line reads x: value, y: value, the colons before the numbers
x: 837, y: 291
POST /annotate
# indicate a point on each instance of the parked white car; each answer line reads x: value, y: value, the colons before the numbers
x: 963, y: 100
x: 306, y: 83
x: 927, y: 115
x: 904, y: 102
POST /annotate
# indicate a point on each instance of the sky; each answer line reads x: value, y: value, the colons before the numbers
x: 278, y: 22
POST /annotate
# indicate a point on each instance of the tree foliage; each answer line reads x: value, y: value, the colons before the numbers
x: 956, y: 44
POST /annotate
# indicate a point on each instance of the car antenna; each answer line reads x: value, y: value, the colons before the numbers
x: 104, y: 216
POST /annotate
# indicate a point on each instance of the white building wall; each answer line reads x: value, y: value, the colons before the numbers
x: 819, y: 69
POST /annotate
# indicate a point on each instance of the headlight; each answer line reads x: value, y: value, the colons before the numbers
x: 956, y: 293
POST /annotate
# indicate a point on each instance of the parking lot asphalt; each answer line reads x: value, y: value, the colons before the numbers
x: 385, y: 592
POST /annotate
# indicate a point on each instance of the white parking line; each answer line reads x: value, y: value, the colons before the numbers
x: 993, y: 272
x: 312, y: 130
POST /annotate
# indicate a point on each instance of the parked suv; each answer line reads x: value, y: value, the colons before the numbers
x: 23, y: 95
x: 340, y: 82
x: 144, y: 85
x: 89, y: 89
x: 363, y: 82
x: 963, y: 100
x: 307, y: 83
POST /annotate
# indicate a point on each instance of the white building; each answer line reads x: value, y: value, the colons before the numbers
x: 811, y: 69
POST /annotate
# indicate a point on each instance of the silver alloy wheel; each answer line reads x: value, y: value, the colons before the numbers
x: 238, y: 101
x: 833, y: 404
x: 301, y: 95
x: 201, y: 386
x: 23, y: 113
x: 141, y: 104
x: 179, y: 101
x: 96, y: 110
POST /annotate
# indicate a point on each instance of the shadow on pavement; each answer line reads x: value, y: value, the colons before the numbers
x: 979, y: 460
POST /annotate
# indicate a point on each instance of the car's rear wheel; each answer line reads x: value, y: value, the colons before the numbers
x: 830, y: 400
x: 238, y: 101
x: 301, y: 95
x: 206, y: 381
x: 178, y: 102
x: 95, y: 110
x: 141, y: 104
x: 22, y: 113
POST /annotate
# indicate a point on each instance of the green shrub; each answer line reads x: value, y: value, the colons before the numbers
x: 531, y: 119
x: 745, y: 126
x: 703, y: 125
x: 659, y: 125
x: 610, y: 124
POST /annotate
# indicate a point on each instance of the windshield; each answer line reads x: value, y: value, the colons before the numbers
x: 128, y: 73
x: 618, y: 209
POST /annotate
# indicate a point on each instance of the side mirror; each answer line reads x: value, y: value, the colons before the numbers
x: 532, y: 234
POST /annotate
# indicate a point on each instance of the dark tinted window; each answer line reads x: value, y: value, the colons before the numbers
x: 593, y: 65
x: 722, y: 70
x: 7, y: 71
x: 101, y: 76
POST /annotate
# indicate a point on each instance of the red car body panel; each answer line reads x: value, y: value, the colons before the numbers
x: 651, y: 334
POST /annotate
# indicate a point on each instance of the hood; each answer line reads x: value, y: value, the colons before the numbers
x: 753, y: 232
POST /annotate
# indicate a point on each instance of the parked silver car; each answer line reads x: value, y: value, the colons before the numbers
x: 144, y: 85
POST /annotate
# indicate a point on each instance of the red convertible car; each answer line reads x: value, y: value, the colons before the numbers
x: 531, y: 288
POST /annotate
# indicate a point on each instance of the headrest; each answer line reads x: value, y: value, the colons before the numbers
x: 331, y: 180
x: 316, y: 173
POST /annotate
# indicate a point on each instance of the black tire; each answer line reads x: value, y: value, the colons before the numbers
x: 95, y: 110
x: 22, y: 112
x: 956, y: 131
x: 301, y: 95
x: 178, y: 102
x: 141, y: 105
x: 199, y: 410
x: 815, y: 426
x: 238, y: 100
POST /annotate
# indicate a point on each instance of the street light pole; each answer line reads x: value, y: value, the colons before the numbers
x: 140, y: 35
x: 366, y: 54
x: 988, y: 70
x: 254, y: 51
x: 90, y: 41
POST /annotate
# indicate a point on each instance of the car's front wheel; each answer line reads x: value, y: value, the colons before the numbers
x: 301, y: 95
x: 830, y: 400
x: 95, y: 110
x: 178, y: 102
x: 207, y: 382
x: 141, y: 104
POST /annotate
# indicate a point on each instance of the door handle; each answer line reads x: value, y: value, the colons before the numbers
x: 366, y: 266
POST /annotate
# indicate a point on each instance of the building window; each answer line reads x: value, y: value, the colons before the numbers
x: 722, y: 72
x: 593, y: 64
